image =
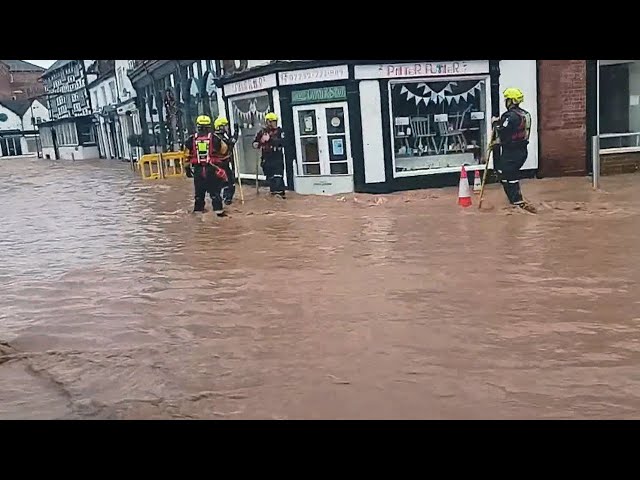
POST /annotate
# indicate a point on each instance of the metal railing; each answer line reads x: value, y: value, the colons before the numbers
x: 622, y: 136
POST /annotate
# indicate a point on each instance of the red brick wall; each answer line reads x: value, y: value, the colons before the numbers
x: 613, y: 163
x: 562, y: 99
x: 5, y: 85
x: 29, y: 82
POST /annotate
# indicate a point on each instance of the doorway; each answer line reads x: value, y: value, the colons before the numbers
x: 324, y: 165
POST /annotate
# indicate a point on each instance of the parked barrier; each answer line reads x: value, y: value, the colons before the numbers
x: 156, y: 166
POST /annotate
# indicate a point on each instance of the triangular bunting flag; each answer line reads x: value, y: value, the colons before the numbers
x: 449, y: 100
x: 409, y: 95
x: 448, y: 88
x: 464, y: 95
x: 403, y: 90
x: 417, y: 99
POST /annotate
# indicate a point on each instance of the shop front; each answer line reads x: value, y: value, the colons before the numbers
x: 425, y: 120
x: 316, y: 111
x: 368, y: 127
x: 247, y: 103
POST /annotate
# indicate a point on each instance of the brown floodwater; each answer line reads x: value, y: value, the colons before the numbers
x: 117, y: 303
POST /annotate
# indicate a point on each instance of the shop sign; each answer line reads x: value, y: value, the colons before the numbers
x: 318, y: 95
x: 311, y: 75
x: 421, y: 69
x: 250, y: 85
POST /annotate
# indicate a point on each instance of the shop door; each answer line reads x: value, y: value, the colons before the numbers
x: 323, y: 145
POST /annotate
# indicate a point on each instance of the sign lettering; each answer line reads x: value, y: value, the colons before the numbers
x: 319, y: 95
x: 310, y: 75
x: 250, y: 85
x: 421, y: 69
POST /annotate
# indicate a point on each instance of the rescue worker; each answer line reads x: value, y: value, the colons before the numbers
x: 208, y: 158
x: 221, y: 130
x: 269, y: 141
x: 513, y: 129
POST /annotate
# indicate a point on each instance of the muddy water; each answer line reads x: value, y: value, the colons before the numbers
x: 117, y: 303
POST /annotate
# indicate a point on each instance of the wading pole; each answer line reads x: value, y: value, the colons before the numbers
x: 236, y: 171
x: 486, y: 167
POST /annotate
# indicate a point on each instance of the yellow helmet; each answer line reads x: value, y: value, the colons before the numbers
x: 514, y: 94
x: 203, y: 121
x: 271, y: 117
x: 220, y: 122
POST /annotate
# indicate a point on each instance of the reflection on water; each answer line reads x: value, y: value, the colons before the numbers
x: 118, y: 303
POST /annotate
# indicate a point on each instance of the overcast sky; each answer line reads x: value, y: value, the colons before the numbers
x: 42, y: 63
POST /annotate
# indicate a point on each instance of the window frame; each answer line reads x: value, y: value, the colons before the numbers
x: 487, y: 113
x: 233, y: 120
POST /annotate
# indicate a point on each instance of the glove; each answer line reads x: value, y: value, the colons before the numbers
x: 189, y: 171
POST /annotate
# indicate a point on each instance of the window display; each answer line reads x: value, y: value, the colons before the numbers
x: 438, y: 124
x: 249, y: 114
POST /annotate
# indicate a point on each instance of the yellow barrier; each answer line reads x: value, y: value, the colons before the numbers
x: 155, y: 166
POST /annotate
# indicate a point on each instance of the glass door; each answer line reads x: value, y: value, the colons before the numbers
x: 308, y: 144
x: 322, y: 139
x: 336, y: 127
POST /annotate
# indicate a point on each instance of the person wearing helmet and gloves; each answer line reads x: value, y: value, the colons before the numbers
x: 222, y: 133
x: 269, y: 140
x: 207, y: 165
x: 513, y: 129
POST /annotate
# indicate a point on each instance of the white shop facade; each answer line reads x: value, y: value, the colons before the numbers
x: 380, y: 127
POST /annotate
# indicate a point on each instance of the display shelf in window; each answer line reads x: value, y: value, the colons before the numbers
x: 438, y: 125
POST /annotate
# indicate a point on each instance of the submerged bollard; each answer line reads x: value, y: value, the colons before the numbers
x: 595, y: 161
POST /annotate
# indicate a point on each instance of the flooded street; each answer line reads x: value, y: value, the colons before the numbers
x: 117, y: 303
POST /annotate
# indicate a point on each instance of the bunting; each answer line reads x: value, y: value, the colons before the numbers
x: 252, y: 114
x: 431, y: 95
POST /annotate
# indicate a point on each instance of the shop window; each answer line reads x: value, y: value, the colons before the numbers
x: 86, y: 134
x: 438, y: 125
x: 45, y: 137
x: 66, y: 134
x: 619, y: 104
x: 248, y: 113
x: 10, y: 146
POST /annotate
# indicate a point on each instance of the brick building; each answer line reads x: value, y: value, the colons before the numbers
x: 579, y: 99
x: 20, y: 80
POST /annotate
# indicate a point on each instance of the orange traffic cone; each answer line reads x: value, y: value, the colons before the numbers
x: 477, y: 182
x: 464, y: 192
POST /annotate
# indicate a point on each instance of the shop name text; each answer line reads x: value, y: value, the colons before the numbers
x: 426, y: 69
